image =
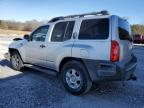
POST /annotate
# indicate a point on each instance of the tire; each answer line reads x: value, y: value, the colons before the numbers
x: 16, y: 61
x: 75, y: 78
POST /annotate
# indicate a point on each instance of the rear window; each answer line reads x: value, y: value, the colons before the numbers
x: 124, y: 30
x: 94, y: 29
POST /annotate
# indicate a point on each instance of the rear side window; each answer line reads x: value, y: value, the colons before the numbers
x: 124, y: 30
x: 94, y: 29
x: 62, y: 31
x: 124, y: 34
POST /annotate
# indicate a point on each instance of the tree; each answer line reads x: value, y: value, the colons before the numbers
x: 3, y: 25
x: 137, y: 29
x: 26, y: 26
x: 0, y: 22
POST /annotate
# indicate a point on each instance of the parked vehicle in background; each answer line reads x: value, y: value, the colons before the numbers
x: 138, y: 39
x: 83, y: 48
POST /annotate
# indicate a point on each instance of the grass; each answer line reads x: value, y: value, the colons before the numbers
x: 9, y: 33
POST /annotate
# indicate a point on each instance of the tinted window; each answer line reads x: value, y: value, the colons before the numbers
x: 69, y: 30
x: 94, y: 29
x: 62, y: 31
x: 59, y: 31
x: 124, y: 34
x: 40, y: 34
x: 124, y: 30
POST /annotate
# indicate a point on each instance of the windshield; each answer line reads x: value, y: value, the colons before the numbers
x: 124, y: 30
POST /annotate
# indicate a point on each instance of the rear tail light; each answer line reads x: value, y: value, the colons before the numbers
x: 115, y: 51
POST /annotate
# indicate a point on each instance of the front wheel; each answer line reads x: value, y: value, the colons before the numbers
x: 75, y: 78
x: 17, y: 63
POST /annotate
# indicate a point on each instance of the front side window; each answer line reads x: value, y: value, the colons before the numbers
x: 94, y: 29
x: 40, y: 34
x: 62, y: 31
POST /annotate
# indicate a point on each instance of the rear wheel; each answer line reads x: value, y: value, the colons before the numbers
x: 75, y: 78
x: 17, y: 63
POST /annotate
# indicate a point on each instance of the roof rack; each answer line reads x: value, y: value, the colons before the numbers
x: 104, y: 12
x: 56, y: 19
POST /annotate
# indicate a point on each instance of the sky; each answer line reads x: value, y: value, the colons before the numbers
x: 23, y: 10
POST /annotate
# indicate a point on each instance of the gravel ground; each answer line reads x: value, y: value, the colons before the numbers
x: 34, y: 89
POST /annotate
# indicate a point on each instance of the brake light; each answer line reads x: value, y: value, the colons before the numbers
x: 115, y: 51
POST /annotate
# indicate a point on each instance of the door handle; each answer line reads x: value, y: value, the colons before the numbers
x: 42, y: 46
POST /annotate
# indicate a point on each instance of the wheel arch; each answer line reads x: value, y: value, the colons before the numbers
x: 88, y: 64
x: 67, y: 59
x: 11, y: 50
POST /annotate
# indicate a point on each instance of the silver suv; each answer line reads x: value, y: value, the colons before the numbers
x: 83, y: 48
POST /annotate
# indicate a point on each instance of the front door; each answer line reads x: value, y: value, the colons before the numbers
x: 36, y: 49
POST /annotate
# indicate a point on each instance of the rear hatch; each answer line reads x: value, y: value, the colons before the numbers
x: 124, y: 32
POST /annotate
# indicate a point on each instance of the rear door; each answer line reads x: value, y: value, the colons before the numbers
x: 125, y: 39
x: 60, y: 43
x: 94, y: 37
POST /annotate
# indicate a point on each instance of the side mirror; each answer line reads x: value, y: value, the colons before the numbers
x: 27, y: 37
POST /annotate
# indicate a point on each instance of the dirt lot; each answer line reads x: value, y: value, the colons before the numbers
x: 12, y: 33
x: 33, y: 89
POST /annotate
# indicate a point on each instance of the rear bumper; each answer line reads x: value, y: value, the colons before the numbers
x: 127, y: 69
x: 107, y: 71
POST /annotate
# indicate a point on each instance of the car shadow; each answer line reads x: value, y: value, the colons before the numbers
x: 6, y: 64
